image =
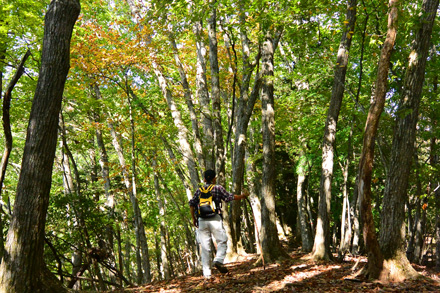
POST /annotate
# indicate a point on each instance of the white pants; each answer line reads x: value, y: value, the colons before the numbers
x: 207, y: 227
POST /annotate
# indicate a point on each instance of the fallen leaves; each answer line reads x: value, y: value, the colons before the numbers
x: 297, y: 274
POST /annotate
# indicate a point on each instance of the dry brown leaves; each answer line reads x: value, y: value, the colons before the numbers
x: 297, y: 274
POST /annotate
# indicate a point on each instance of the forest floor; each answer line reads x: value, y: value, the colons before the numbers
x: 298, y: 274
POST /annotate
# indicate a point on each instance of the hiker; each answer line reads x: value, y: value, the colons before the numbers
x: 205, y: 209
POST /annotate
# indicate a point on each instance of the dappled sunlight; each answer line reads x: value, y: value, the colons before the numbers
x: 298, y: 273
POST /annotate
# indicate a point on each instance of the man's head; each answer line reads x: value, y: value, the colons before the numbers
x: 209, y: 176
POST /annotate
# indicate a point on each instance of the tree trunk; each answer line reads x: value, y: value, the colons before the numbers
x: 165, y: 268
x: 215, y: 96
x: 189, y: 102
x: 270, y: 243
x: 7, y: 120
x: 437, y: 229
x: 242, y: 117
x: 346, y: 231
x: 23, y: 269
x: 392, y: 232
x: 202, y: 94
x: 103, y: 158
x: 306, y: 234
x: 187, y: 153
x: 321, y: 248
x: 254, y: 188
x: 141, y: 239
x: 355, y: 214
x: 375, y: 258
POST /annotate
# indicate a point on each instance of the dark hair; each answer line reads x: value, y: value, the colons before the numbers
x: 209, y: 175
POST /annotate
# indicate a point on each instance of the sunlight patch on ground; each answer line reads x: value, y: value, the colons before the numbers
x: 298, y: 276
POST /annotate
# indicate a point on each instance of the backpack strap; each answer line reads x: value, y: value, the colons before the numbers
x: 208, y: 189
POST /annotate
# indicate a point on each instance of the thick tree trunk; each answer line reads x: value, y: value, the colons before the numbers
x: 392, y: 232
x: 375, y: 258
x: 270, y: 243
x: 321, y: 248
x: 23, y: 269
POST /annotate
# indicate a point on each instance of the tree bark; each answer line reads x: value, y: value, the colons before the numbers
x: 23, y: 269
x: 375, y: 258
x: 270, y: 243
x: 392, y: 232
x: 321, y: 247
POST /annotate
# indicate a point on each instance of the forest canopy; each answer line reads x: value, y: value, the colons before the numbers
x: 326, y: 111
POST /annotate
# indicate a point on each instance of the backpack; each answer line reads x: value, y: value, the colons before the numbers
x: 207, y: 206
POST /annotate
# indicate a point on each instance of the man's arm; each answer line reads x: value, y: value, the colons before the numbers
x: 241, y: 196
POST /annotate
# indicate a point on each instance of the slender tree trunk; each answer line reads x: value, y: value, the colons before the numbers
x: 416, y: 227
x: 7, y: 132
x: 69, y: 189
x: 103, y: 158
x: 165, y: 268
x: 187, y: 153
x: 346, y: 232
x: 23, y: 269
x: 141, y: 239
x: 270, y: 243
x: 7, y: 120
x: 215, y: 96
x: 355, y: 215
x: 437, y: 228
x: 306, y: 234
x: 392, y: 232
x: 189, y: 101
x: 202, y: 94
x: 375, y: 258
x: 254, y: 187
x: 321, y: 248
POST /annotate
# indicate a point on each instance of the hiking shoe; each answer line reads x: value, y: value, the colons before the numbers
x: 219, y: 266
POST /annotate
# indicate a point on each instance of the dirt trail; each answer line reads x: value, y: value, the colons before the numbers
x: 298, y: 274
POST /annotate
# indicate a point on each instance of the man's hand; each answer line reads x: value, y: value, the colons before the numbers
x: 245, y: 192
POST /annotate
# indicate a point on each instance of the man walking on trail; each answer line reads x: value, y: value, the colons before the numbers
x: 205, y: 209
